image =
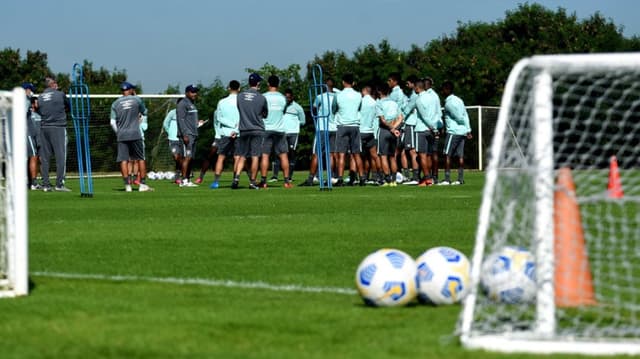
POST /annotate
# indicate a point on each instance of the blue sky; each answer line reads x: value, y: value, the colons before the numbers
x: 180, y: 42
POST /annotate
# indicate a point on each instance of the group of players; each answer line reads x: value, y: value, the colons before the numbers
x: 374, y: 131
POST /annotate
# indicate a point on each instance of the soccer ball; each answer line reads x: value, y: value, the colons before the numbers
x: 152, y: 175
x: 443, y: 276
x: 509, y: 275
x: 387, y: 278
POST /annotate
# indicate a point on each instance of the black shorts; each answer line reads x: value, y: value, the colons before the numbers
x: 189, y: 149
x: 176, y: 148
x: 274, y: 142
x: 368, y: 141
x: 225, y: 145
x: 425, y: 142
x: 409, y: 137
x: 249, y: 144
x: 292, y: 141
x: 332, y: 141
x: 130, y: 150
x: 387, y: 143
x: 348, y: 139
x: 32, y: 146
x: 454, y: 145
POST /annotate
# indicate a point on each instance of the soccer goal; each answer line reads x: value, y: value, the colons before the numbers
x: 563, y: 183
x: 13, y: 194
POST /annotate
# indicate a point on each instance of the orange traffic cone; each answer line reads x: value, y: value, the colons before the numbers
x: 573, y: 283
x: 615, y: 184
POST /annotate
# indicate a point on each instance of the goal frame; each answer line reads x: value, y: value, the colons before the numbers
x: 541, y: 338
x: 16, y: 282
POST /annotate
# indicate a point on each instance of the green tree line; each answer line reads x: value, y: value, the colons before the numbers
x: 477, y: 57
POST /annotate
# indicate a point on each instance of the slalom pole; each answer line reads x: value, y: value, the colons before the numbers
x: 80, y: 114
x: 318, y: 89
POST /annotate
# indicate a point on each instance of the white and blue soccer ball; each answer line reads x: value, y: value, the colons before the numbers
x: 443, y: 276
x: 509, y: 275
x: 168, y: 175
x: 387, y: 278
x: 152, y: 175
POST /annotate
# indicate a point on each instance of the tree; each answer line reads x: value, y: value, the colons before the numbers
x: 14, y: 70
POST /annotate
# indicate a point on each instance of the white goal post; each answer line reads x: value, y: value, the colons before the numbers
x: 575, y: 116
x: 13, y: 194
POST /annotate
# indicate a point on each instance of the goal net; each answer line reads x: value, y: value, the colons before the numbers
x: 563, y: 184
x: 13, y: 190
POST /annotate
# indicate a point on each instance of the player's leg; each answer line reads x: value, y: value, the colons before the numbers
x: 459, y: 152
x: 281, y: 149
x: 241, y: 152
x: 435, y: 164
x: 187, y: 160
x: 138, y: 154
x: 32, y: 152
x: 313, y: 165
x: 210, y: 159
x: 122, y: 157
x: 267, y: 147
x: 446, y: 151
x: 255, y: 151
x: 275, y: 170
x: 59, y: 144
x: 45, y: 153
x: 292, y: 145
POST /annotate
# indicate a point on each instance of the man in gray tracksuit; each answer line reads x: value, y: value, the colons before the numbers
x: 53, y: 106
x: 127, y: 112
x: 253, y: 109
x: 187, y: 120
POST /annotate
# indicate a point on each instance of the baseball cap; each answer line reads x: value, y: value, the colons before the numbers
x: 191, y: 88
x: 254, y: 77
x: 126, y: 86
x: 28, y: 86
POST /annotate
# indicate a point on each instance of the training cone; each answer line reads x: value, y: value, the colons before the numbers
x: 615, y: 184
x: 573, y: 283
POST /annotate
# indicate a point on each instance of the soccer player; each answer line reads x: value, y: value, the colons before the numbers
x: 369, y: 135
x: 33, y: 132
x: 187, y: 119
x: 213, y: 151
x: 346, y: 105
x: 126, y: 115
x: 408, y: 136
x: 390, y: 118
x: 252, y: 109
x: 275, y: 139
x: 428, y: 112
x: 134, y: 168
x: 436, y: 135
x: 53, y: 106
x: 225, y: 122
x: 170, y: 125
x: 458, y: 129
x: 397, y: 95
x: 293, y: 118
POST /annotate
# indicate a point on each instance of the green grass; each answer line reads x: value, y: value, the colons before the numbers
x: 300, y: 237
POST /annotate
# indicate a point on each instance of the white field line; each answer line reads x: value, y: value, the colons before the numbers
x: 200, y: 281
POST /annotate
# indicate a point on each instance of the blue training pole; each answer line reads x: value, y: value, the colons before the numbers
x: 80, y: 114
x: 319, y: 90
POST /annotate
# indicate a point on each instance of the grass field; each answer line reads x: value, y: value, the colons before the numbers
x: 191, y: 272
